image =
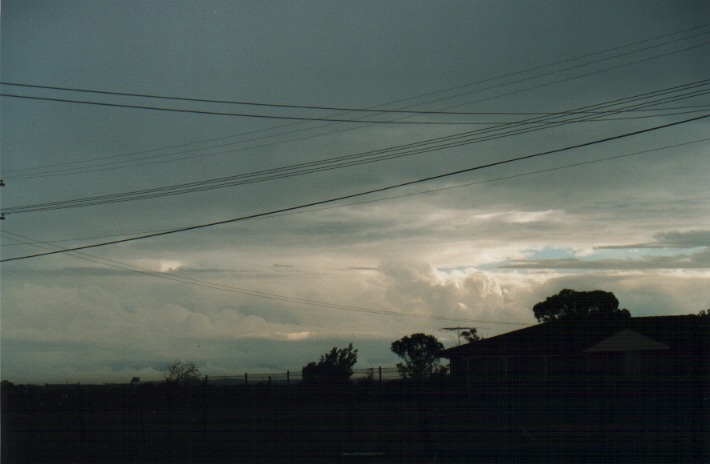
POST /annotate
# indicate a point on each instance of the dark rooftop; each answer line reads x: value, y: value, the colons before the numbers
x: 680, y: 333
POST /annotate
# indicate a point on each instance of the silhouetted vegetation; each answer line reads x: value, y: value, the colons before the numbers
x: 654, y: 416
x: 471, y: 335
x: 421, y: 354
x: 571, y: 304
x: 179, y: 371
x: 336, y: 366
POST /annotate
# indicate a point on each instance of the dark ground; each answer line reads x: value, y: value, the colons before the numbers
x: 579, y: 420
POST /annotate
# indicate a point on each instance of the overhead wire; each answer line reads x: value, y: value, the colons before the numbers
x: 238, y: 115
x: 421, y: 192
x: 455, y: 88
x: 363, y: 193
x: 456, y: 140
x: 223, y: 182
x: 314, y: 107
x: 193, y: 154
x: 343, y: 110
x: 316, y: 303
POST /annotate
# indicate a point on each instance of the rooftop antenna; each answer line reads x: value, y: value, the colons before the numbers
x: 458, y: 332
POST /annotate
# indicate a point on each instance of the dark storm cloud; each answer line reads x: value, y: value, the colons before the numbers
x: 675, y: 239
x: 698, y: 260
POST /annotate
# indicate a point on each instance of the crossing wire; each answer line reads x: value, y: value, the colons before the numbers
x: 428, y: 191
x: 364, y: 193
x: 412, y: 98
x: 390, y: 153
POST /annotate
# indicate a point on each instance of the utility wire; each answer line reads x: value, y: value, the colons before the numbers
x: 368, y: 192
x: 348, y: 160
x: 422, y: 192
x: 214, y: 184
x: 500, y: 126
x: 293, y: 106
x: 240, y: 115
x: 274, y: 105
x: 195, y: 153
x: 453, y: 88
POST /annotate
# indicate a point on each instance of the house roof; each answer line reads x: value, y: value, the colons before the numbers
x: 679, y: 333
x: 627, y: 340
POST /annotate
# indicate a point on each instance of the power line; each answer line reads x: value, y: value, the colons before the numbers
x: 193, y: 154
x: 591, y: 73
x: 368, y: 192
x: 455, y: 88
x: 501, y: 125
x: 276, y: 105
x: 424, y: 192
x: 331, y: 108
x: 390, y: 153
x: 240, y: 115
x: 428, y: 191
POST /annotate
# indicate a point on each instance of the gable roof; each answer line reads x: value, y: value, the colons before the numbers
x: 627, y: 340
x: 574, y: 337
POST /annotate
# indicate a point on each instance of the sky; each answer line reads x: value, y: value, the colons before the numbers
x: 248, y: 184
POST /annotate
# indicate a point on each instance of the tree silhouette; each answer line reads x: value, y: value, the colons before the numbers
x: 571, y: 304
x: 471, y: 335
x: 420, y: 353
x: 335, y: 366
x: 181, y: 371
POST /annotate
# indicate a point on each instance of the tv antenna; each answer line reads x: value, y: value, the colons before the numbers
x: 458, y: 331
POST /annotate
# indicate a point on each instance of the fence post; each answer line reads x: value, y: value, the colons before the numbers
x: 81, y: 413
x: 246, y: 379
x: 288, y: 377
x: 379, y: 370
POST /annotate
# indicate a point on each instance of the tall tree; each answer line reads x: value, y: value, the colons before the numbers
x: 571, y: 304
x: 421, y: 354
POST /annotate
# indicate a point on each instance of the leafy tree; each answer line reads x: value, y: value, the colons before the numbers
x: 571, y: 304
x: 471, y: 335
x: 335, y: 366
x: 420, y: 353
x: 182, y: 371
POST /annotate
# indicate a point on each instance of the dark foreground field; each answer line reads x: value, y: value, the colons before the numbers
x: 523, y: 421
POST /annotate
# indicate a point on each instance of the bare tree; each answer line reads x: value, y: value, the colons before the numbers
x: 181, y: 371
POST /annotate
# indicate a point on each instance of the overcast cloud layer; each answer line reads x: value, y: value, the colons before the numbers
x: 629, y: 215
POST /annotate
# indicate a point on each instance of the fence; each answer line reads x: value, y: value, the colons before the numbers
x: 376, y: 374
